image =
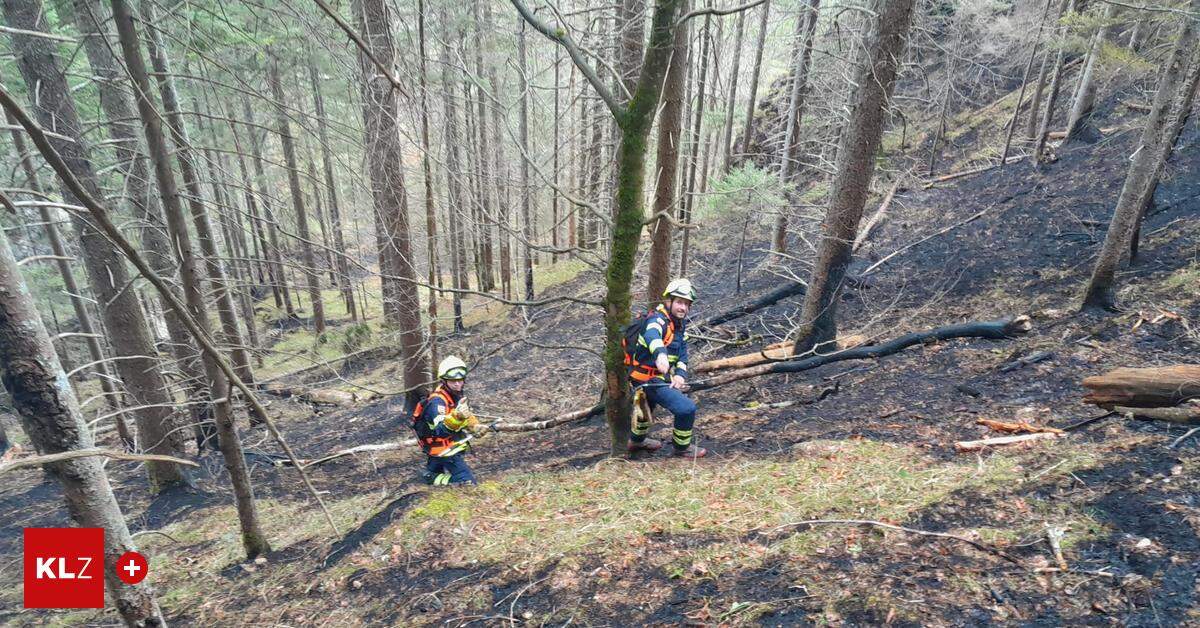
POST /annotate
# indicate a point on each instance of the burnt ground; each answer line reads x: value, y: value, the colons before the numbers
x: 1030, y: 252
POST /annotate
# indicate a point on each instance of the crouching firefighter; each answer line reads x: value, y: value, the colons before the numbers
x: 445, y: 426
x: 656, y: 354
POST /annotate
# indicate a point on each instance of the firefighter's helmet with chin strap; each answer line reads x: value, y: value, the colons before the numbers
x: 452, y: 368
x: 680, y: 288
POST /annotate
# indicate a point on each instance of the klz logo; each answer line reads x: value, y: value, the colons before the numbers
x: 64, y: 568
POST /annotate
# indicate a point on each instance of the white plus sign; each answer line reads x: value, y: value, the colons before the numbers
x: 132, y: 568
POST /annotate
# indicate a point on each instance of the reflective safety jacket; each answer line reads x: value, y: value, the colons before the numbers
x: 439, y: 432
x: 660, y: 333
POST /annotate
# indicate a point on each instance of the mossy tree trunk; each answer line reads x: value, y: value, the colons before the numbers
x: 635, y: 120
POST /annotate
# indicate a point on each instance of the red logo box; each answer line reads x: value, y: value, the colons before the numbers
x: 64, y: 567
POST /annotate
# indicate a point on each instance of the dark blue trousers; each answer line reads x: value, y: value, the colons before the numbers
x: 680, y: 407
x: 451, y: 470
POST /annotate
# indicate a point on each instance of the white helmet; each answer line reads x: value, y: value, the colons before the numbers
x: 681, y: 288
x: 452, y: 368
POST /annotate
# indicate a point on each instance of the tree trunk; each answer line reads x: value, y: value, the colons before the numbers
x: 456, y: 208
x: 1079, y: 124
x: 1035, y: 104
x: 43, y: 399
x: 789, y: 157
x: 89, y: 15
x: 627, y: 224
x: 275, y: 252
x: 730, y: 104
x: 231, y: 334
x: 253, y: 539
x: 427, y: 175
x: 1182, y: 113
x: 112, y: 398
x: 1052, y: 97
x: 754, y: 74
x: 526, y: 191
x: 1012, y: 122
x: 1145, y: 165
x: 554, y: 230
x: 335, y: 210
x: 670, y: 132
x: 130, y: 335
x: 293, y: 172
x: 855, y: 167
x: 690, y: 191
x: 386, y: 159
x: 1144, y: 387
x: 489, y: 193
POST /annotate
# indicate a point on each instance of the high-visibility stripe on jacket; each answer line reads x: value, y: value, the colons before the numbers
x: 660, y: 334
x: 438, y: 432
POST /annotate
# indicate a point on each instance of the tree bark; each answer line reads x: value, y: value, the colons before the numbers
x: 489, y: 192
x: 1182, y: 111
x: 91, y: 336
x: 1143, y: 168
x: 670, y: 131
x: 855, y: 168
x: 335, y: 210
x: 1052, y: 97
x: 275, y: 252
x: 690, y: 191
x: 253, y: 539
x: 1079, y: 124
x: 1035, y: 103
x: 89, y: 16
x: 731, y: 102
x: 456, y: 209
x: 526, y: 191
x: 122, y: 315
x: 754, y: 75
x: 789, y: 157
x: 427, y: 175
x: 1012, y: 122
x: 1144, y: 387
x: 385, y: 158
x: 43, y: 398
x: 231, y: 334
x: 293, y: 173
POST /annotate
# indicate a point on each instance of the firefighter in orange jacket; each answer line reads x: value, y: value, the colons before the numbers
x: 444, y: 425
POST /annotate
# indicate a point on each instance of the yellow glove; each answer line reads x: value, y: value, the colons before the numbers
x: 460, y: 417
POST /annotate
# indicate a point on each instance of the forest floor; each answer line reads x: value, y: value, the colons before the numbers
x: 559, y: 533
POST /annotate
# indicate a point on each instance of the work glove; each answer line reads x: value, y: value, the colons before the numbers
x: 463, y: 413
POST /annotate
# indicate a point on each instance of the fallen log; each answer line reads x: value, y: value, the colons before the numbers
x: 323, y: 396
x: 876, y: 219
x: 530, y: 426
x: 1144, y: 387
x: 977, y: 445
x: 772, y: 352
x: 1017, y: 428
x: 37, y: 461
x: 791, y: 289
x: 1001, y: 329
x: 330, y: 364
x: 1184, y: 415
x: 966, y: 173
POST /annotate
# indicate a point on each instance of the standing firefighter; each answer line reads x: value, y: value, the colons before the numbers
x: 656, y: 352
x: 445, y: 425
